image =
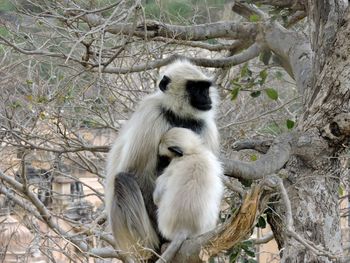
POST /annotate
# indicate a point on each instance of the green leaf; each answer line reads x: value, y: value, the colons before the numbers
x: 263, y: 75
x: 245, y: 71
x: 272, y: 93
x: 248, y: 243
x: 341, y: 191
x: 253, y: 158
x: 265, y: 56
x: 261, y: 222
x: 254, y: 18
x: 234, y: 255
x: 250, y: 253
x: 290, y: 124
x: 234, y: 93
x: 255, y: 94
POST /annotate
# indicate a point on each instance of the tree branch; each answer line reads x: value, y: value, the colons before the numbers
x: 292, y: 48
x: 293, y: 4
x: 45, y: 215
x: 275, y: 158
x: 261, y: 146
x: 151, y: 29
x: 234, y: 46
x: 248, y: 54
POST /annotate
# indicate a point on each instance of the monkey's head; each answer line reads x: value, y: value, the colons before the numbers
x: 178, y: 142
x: 187, y: 87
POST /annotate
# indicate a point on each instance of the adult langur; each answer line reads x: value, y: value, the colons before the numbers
x: 186, y: 98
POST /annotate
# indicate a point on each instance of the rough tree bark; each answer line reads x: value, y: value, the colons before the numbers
x: 314, y: 175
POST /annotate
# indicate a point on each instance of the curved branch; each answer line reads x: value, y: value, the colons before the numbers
x: 234, y: 46
x: 248, y: 54
x: 275, y: 158
x: 292, y: 48
x: 263, y: 240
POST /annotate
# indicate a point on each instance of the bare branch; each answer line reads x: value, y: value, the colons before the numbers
x: 260, y: 116
x: 293, y: 48
x: 47, y: 217
x: 234, y: 46
x: 258, y: 145
x: 252, y: 52
x: 151, y: 29
x: 293, y: 4
x: 263, y: 240
x: 272, y: 161
x: 247, y: 10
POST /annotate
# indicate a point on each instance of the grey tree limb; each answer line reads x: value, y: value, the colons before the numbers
x: 151, y: 29
x: 274, y: 159
x: 292, y: 48
x: 293, y: 4
x: 248, y: 54
x: 258, y: 145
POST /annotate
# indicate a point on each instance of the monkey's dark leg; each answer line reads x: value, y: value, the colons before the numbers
x: 129, y: 219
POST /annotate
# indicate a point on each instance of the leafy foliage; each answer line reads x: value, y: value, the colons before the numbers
x: 244, y: 252
x: 253, y: 83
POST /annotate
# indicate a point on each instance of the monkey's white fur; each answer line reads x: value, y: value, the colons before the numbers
x: 188, y: 193
x: 135, y: 151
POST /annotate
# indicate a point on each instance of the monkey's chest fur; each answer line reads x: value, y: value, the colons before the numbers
x: 174, y: 120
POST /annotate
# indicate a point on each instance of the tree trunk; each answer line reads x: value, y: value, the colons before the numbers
x: 314, y: 172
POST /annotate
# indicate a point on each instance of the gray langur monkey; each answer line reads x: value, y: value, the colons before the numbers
x: 186, y: 98
x: 188, y: 193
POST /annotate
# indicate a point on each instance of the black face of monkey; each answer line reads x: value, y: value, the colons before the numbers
x: 198, y: 91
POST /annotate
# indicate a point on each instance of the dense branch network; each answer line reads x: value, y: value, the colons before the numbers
x: 244, y: 41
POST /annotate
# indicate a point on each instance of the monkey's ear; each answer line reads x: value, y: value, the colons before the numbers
x: 177, y: 150
x: 163, y: 84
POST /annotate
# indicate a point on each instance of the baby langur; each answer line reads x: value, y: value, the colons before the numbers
x: 189, y: 191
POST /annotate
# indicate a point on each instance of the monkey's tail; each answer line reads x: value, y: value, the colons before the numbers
x: 131, y: 225
x: 173, y: 247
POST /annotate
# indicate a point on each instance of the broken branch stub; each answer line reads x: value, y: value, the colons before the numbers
x: 240, y: 225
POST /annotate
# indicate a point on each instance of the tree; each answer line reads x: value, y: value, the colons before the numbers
x: 97, y: 42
